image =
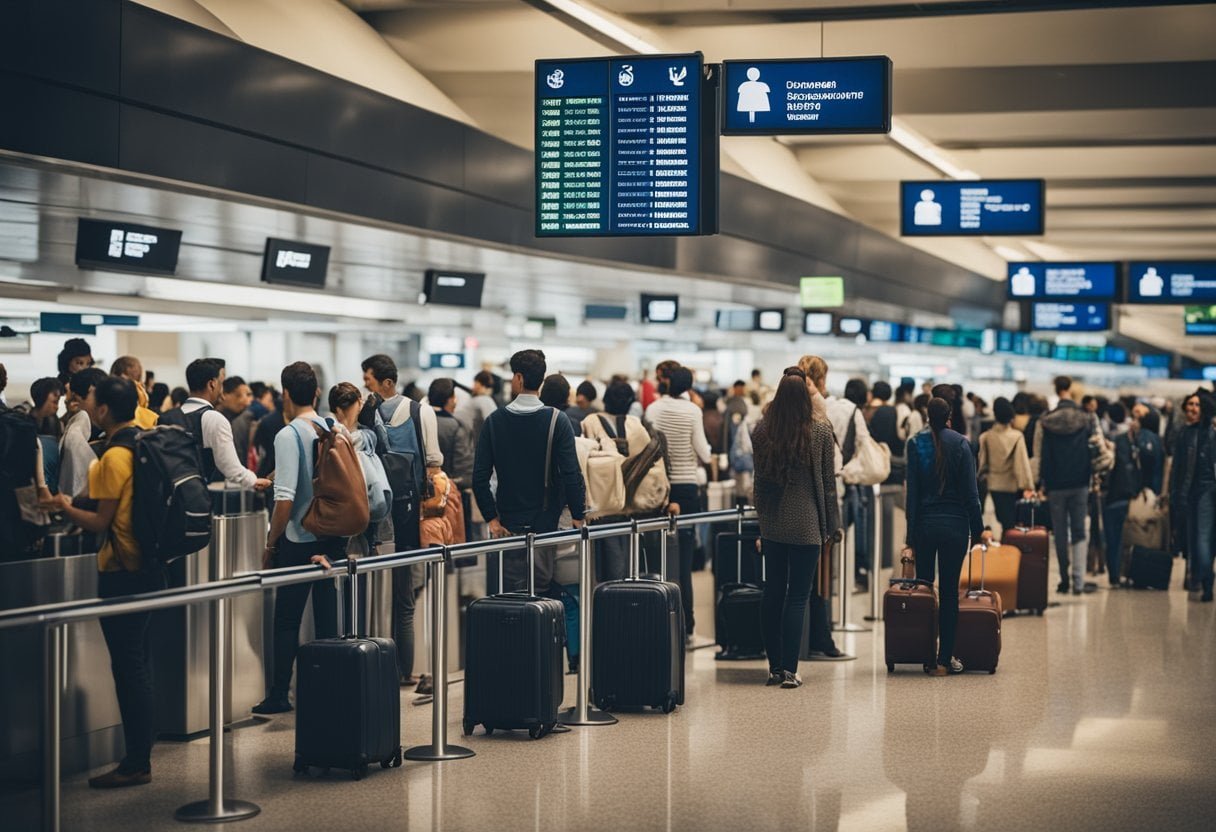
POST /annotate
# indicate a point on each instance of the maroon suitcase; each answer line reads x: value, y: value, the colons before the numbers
x: 977, y: 639
x: 909, y: 610
x: 1034, y: 544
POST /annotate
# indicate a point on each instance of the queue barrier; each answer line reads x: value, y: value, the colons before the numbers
x: 218, y: 808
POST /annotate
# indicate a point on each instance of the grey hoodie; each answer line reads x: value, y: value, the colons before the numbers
x: 1061, y: 441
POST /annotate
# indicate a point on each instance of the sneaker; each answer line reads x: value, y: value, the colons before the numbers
x: 573, y: 665
x: 117, y: 779
x: 426, y: 686
x: 791, y: 680
x: 273, y: 705
x: 1089, y: 587
x: 775, y: 677
x: 1062, y: 586
x: 409, y: 681
x: 1206, y: 598
x: 832, y: 652
x: 955, y: 667
x: 1076, y: 592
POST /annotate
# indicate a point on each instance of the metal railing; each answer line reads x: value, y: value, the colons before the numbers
x: 53, y: 618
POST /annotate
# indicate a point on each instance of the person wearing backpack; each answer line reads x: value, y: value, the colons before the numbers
x: 680, y: 421
x: 1123, y: 483
x: 121, y: 571
x: 531, y: 448
x: 411, y: 456
x: 288, y: 543
x: 210, y: 428
x: 1063, y: 465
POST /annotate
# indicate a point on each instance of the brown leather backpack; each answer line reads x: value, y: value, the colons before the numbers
x: 339, y: 493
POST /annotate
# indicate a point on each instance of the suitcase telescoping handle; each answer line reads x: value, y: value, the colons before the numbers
x: 983, y: 547
x: 530, y: 553
x: 352, y: 589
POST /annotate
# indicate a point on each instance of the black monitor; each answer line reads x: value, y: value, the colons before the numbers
x: 453, y: 288
x: 295, y: 264
x: 123, y: 247
x: 660, y: 309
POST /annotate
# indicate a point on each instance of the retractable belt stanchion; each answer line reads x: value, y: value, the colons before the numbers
x: 439, y: 749
x: 51, y: 726
x: 582, y: 714
x: 847, y: 564
x: 217, y: 808
x: 880, y: 525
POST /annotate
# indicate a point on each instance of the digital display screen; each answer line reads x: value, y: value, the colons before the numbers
x: 1172, y: 282
x: 122, y: 247
x: 619, y: 147
x: 1063, y: 281
x: 1156, y: 360
x: 1070, y: 317
x: 1200, y: 320
x: 818, y: 323
x: 735, y: 320
x: 821, y: 292
x: 446, y: 361
x: 770, y: 320
x: 453, y: 288
x: 605, y: 312
x: 298, y: 264
x: 885, y: 331
x: 850, y: 326
x: 829, y: 95
x: 992, y: 207
x: 660, y: 309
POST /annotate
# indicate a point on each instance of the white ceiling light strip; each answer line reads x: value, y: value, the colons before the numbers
x: 258, y: 298
x: 603, y: 24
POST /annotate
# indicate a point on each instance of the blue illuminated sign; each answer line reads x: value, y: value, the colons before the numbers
x: 1063, y: 281
x: 1172, y: 282
x: 829, y: 95
x: 619, y: 147
x: 1070, y: 317
x: 943, y: 208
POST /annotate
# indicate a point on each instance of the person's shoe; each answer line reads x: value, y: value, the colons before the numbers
x: 937, y: 670
x: 1206, y: 598
x: 832, y: 652
x: 955, y: 667
x: 409, y: 681
x: 1062, y: 586
x: 117, y: 779
x: 791, y: 680
x: 1193, y: 595
x: 273, y: 705
x: 1089, y: 587
x: 426, y: 685
x: 1077, y: 592
x: 775, y: 677
x: 573, y: 665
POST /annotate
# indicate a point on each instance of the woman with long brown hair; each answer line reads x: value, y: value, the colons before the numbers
x: 797, y: 509
x: 943, y: 510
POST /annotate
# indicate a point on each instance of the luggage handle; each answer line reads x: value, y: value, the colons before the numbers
x: 904, y: 560
x: 910, y: 582
x: 635, y: 550
x: 983, y: 547
x: 352, y: 589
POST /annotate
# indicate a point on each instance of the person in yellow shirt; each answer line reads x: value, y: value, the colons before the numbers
x: 132, y: 369
x: 111, y: 406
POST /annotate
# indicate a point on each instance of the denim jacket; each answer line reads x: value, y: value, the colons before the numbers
x: 958, y: 500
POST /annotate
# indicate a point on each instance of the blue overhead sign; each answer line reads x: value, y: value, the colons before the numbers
x: 1070, y: 317
x: 942, y: 208
x: 1166, y: 281
x: 822, y: 95
x: 619, y: 147
x: 1050, y: 281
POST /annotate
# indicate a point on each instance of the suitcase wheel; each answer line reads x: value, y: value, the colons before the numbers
x: 670, y: 705
x: 890, y: 667
x: 990, y: 672
x: 358, y: 773
x: 393, y: 761
x: 1039, y: 613
x: 468, y: 728
x: 538, y: 731
x: 299, y: 767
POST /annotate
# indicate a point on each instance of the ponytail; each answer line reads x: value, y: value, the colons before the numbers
x: 939, y: 420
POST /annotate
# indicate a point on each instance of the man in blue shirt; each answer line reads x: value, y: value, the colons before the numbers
x: 288, y: 543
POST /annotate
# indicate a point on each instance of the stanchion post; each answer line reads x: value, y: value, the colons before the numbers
x: 439, y: 749
x: 880, y: 525
x: 582, y: 714
x: 217, y: 808
x: 847, y: 562
x: 51, y: 726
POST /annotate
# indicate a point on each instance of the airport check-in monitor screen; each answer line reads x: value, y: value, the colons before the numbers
x: 618, y: 146
x: 735, y: 320
x: 453, y: 288
x: 1200, y: 320
x: 1070, y: 317
x: 958, y: 208
x: 831, y: 95
x: 1062, y: 281
x: 770, y: 320
x: 660, y: 309
x: 297, y: 264
x: 123, y: 247
x: 821, y: 292
x: 1172, y: 282
x: 818, y: 323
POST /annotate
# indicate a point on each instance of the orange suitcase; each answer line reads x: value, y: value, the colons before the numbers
x: 1001, y: 573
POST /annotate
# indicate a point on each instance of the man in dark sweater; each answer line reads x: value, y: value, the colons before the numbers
x: 531, y: 449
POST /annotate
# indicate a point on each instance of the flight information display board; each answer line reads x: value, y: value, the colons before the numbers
x: 959, y: 208
x: 123, y: 247
x: 1052, y: 281
x: 625, y: 147
x: 819, y: 95
x: 1172, y: 282
x: 1070, y: 317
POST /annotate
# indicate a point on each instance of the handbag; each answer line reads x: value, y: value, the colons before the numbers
x: 871, y: 460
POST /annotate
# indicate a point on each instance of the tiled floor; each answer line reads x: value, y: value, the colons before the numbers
x: 1102, y: 716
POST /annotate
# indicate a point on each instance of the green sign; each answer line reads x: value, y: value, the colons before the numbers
x: 821, y: 292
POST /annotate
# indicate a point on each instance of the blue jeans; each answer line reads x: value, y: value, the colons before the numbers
x: 569, y: 596
x: 941, y: 546
x: 1201, y: 525
x: 791, y: 571
x: 688, y: 497
x: 1069, y: 510
x: 1113, y: 516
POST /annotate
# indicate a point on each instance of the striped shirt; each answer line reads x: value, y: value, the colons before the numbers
x: 680, y: 422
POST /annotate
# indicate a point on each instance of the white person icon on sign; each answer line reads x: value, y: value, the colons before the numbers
x: 753, y: 95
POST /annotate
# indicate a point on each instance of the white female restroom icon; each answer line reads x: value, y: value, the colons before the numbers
x: 753, y: 95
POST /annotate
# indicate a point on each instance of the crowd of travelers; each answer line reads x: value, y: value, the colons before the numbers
x: 528, y: 451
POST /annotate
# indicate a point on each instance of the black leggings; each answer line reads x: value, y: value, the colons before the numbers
x: 790, y: 571
x: 1005, y: 505
x: 943, y: 542
x: 289, y: 604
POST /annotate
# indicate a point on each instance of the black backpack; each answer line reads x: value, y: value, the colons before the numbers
x: 172, y: 507
x: 1125, y: 480
x: 18, y: 438
x: 192, y: 423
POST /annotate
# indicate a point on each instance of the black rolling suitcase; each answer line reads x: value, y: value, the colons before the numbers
x: 513, y: 660
x: 637, y: 644
x: 1150, y: 568
x: 737, y: 625
x: 348, y: 702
